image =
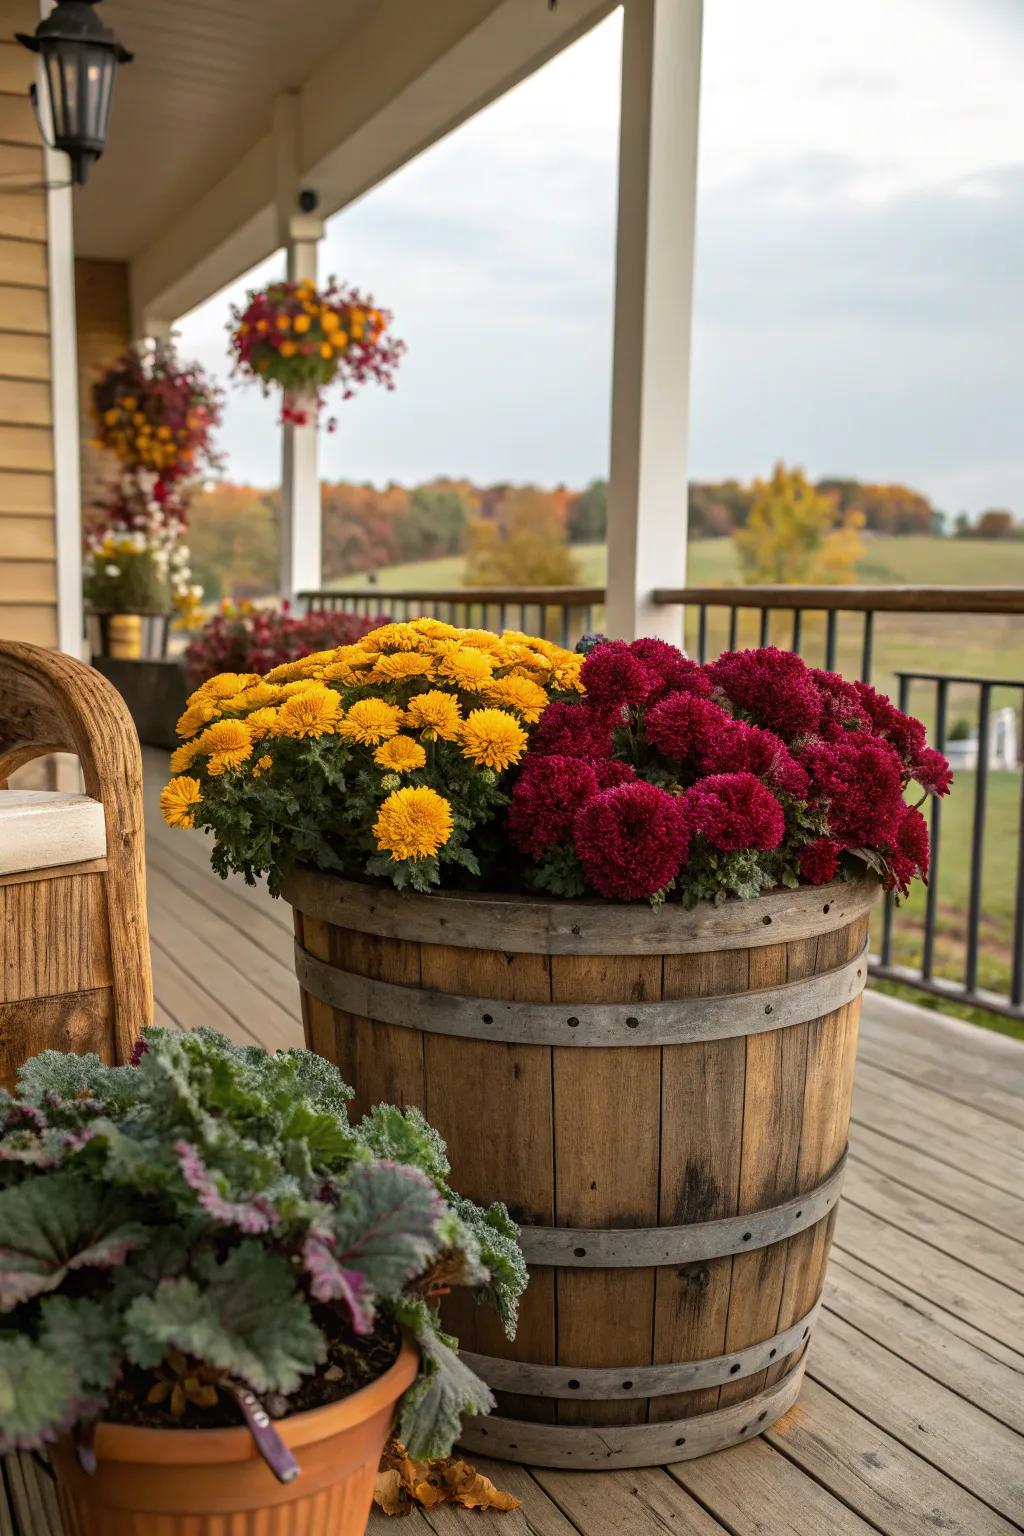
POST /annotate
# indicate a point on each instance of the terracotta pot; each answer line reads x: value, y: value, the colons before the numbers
x: 213, y: 1482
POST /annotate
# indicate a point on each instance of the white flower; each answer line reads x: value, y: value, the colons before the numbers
x: 112, y: 570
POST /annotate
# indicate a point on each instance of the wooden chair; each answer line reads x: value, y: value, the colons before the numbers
x: 74, y: 939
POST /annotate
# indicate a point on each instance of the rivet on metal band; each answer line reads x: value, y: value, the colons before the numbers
x: 674, y: 1021
x: 608, y: 1446
x: 639, y: 1247
x: 623, y: 1381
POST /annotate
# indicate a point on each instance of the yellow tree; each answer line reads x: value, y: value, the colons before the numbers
x: 524, y: 544
x: 794, y: 534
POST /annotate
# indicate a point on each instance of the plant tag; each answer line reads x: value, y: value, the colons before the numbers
x: 268, y: 1442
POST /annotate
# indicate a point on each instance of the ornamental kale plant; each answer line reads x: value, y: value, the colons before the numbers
x: 720, y: 780
x: 206, y: 1222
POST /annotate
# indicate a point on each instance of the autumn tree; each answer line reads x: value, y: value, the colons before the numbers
x: 587, y: 518
x: 434, y: 520
x: 233, y: 537
x: 523, y: 544
x: 996, y: 523
x: 796, y: 534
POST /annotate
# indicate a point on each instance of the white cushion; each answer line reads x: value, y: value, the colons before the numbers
x: 39, y: 830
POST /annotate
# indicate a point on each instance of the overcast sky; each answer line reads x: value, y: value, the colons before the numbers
x: 860, y: 271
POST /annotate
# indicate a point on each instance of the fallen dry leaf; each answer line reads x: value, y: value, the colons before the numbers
x: 402, y: 1482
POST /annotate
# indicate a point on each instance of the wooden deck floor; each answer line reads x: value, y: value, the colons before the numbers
x: 911, y: 1420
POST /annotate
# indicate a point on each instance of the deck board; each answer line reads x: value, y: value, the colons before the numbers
x: 911, y: 1421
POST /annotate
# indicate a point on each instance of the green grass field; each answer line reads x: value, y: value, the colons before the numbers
x: 967, y: 646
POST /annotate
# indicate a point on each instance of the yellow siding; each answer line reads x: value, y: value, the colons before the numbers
x: 28, y: 591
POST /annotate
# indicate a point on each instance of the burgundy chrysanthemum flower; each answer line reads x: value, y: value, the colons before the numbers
x: 912, y: 839
x: 841, y: 705
x: 549, y: 792
x: 907, y: 735
x: 572, y: 730
x: 631, y: 840
x: 669, y: 669
x: 859, y: 779
x: 819, y: 861
x: 931, y: 770
x: 613, y: 677
x: 742, y: 748
x: 683, y: 726
x: 774, y: 686
x: 735, y: 811
x: 609, y: 773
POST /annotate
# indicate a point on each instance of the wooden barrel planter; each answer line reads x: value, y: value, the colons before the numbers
x: 661, y: 1098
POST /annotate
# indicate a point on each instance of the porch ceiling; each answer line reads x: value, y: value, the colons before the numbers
x: 196, y: 97
x: 190, y: 189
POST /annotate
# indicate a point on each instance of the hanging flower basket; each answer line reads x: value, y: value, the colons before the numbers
x: 306, y: 340
x: 158, y: 416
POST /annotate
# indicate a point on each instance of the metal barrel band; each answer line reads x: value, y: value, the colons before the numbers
x: 676, y: 1021
x: 643, y: 1247
x: 624, y: 1382
x: 610, y: 1446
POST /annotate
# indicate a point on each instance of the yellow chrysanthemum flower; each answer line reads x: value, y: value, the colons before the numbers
x: 434, y: 629
x: 261, y: 765
x: 413, y: 823
x: 314, y: 712
x: 343, y: 672
x: 178, y: 801
x: 312, y: 664
x: 184, y: 756
x: 521, y: 694
x: 199, y: 713
x: 261, y: 723
x: 371, y: 721
x: 300, y: 685
x: 436, y: 714
x: 492, y: 738
x: 398, y: 637
x: 566, y: 672
x: 467, y: 668
x: 226, y: 684
x: 400, y: 755
x: 229, y: 744
x: 399, y: 666
x: 284, y: 673
x: 256, y: 697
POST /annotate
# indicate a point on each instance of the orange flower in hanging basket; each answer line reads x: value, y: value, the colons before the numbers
x: 305, y: 340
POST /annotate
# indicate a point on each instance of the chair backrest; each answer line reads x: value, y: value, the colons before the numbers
x: 49, y: 702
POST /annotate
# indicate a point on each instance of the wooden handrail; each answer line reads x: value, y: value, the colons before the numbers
x: 580, y: 596
x: 992, y: 600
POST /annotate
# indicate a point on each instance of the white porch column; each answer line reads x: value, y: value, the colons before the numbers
x: 647, y: 506
x: 300, y: 449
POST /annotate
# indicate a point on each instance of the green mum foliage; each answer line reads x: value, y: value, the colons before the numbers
x: 213, y: 1200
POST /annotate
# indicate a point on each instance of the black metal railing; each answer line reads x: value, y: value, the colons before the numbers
x: 962, y: 938
x: 562, y: 614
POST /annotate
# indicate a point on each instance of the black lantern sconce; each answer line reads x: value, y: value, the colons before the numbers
x: 80, y: 57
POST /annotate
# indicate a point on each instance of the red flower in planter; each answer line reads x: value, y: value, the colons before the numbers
x: 859, y: 780
x: 735, y: 811
x: 684, y: 726
x: 545, y: 800
x: 572, y: 730
x: 614, y: 676
x: 631, y: 840
x: 669, y: 669
x: 742, y: 748
x: 773, y: 685
x: 819, y: 861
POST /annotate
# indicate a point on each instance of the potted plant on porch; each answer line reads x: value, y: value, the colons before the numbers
x: 216, y: 1294
x: 614, y: 909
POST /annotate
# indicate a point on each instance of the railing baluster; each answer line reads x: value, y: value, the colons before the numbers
x: 935, y: 836
x: 978, y: 839
x: 1017, y: 979
x: 889, y: 900
x: 565, y: 625
x: 702, y: 633
x: 830, y: 640
x: 766, y: 616
x: 734, y: 622
x: 867, y: 645
x: 798, y: 627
